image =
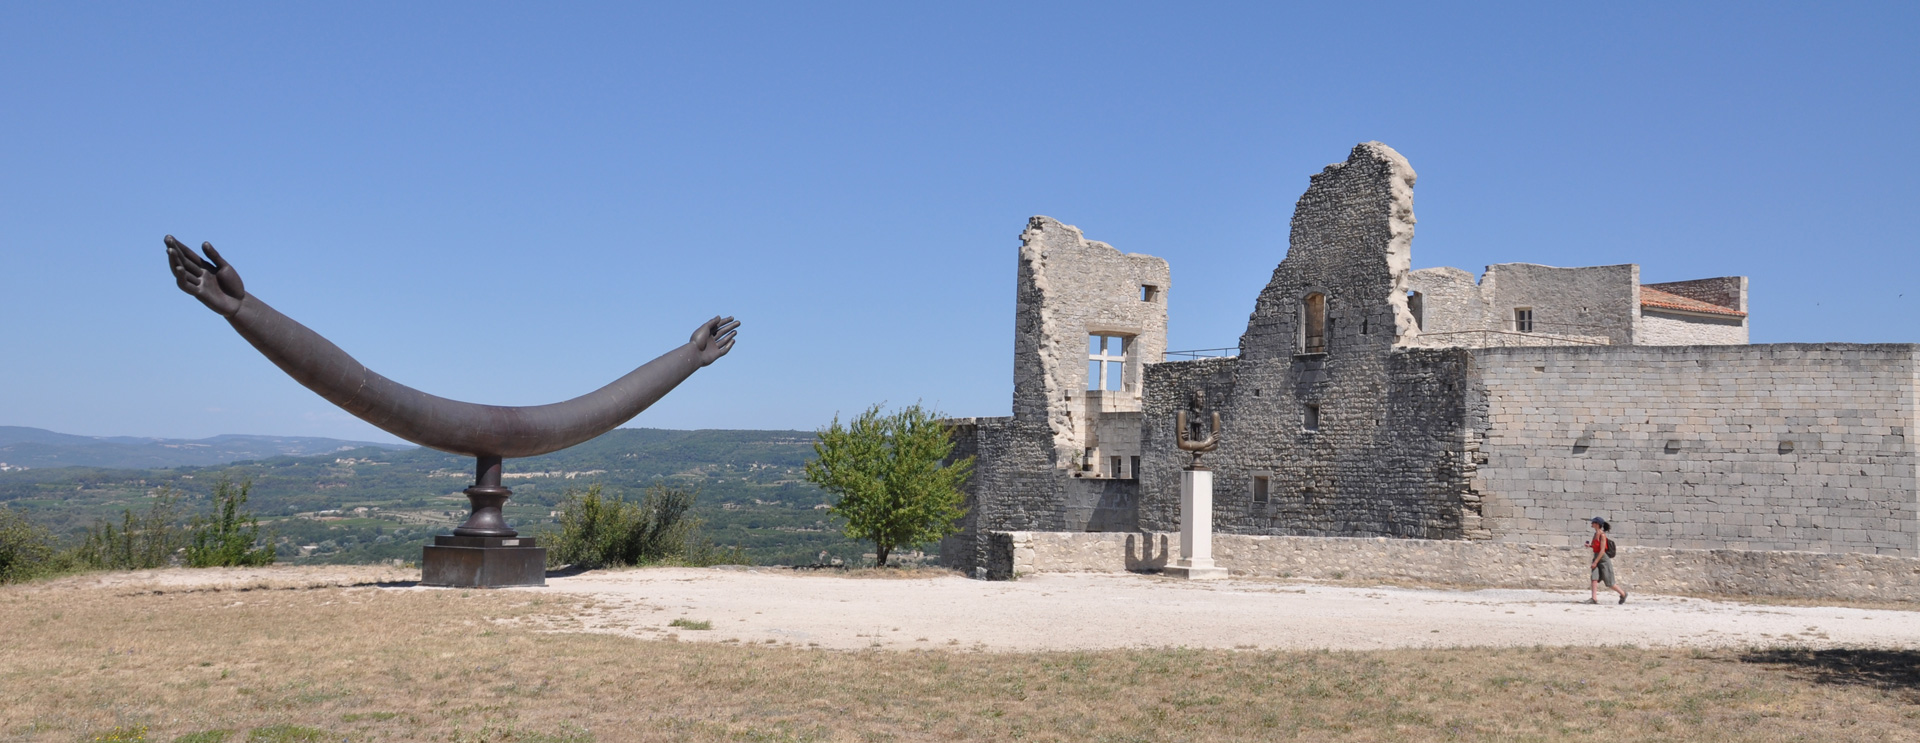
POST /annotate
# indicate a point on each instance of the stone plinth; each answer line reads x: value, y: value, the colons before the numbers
x: 483, y: 562
x: 1196, y: 528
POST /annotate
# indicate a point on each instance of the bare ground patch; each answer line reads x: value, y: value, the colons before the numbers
x: 412, y: 664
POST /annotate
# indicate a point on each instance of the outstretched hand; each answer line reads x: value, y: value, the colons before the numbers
x: 714, y: 338
x: 211, y: 279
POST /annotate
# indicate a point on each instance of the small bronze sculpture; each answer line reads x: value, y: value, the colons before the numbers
x: 1187, y: 442
x: 487, y: 433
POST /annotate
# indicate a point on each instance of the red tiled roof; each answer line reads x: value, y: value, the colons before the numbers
x: 1659, y: 300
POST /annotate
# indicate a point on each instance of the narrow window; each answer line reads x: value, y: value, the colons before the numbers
x: 1523, y: 319
x: 1087, y: 460
x: 1260, y: 485
x: 1310, y: 420
x: 1417, y: 304
x: 1115, y: 462
x: 1107, y: 362
x: 1133, y: 473
x: 1313, y: 323
x: 1149, y: 293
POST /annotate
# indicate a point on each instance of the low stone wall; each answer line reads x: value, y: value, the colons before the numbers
x: 1490, y: 564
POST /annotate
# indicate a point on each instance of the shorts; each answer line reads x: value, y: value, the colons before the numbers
x: 1603, y: 572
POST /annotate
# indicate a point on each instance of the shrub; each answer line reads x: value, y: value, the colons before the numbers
x: 597, y: 531
x: 146, y: 541
x: 227, y: 538
x: 26, y: 550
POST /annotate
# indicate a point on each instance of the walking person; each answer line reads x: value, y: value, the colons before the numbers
x: 1600, y: 570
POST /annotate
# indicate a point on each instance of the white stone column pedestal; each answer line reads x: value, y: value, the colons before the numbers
x: 1196, y: 528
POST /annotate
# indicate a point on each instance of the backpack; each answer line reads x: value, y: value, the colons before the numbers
x: 1609, y: 545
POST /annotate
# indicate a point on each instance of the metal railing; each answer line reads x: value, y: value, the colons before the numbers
x: 1204, y: 353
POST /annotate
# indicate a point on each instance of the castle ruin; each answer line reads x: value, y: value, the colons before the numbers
x: 1369, y: 399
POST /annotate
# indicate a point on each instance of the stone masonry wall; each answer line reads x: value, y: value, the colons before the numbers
x: 1664, y: 329
x: 1594, y: 305
x: 1479, y: 564
x: 1763, y: 447
x: 1388, y: 455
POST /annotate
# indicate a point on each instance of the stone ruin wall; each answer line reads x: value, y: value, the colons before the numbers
x: 1390, y: 456
x: 1585, y: 306
x: 1028, y: 472
x: 1768, y: 447
x: 1437, y: 439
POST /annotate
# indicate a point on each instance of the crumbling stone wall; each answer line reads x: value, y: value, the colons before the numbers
x: 1596, y: 305
x: 1768, y: 447
x: 1389, y: 452
x: 1032, y: 470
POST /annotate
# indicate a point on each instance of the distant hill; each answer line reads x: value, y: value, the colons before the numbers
x: 38, y: 448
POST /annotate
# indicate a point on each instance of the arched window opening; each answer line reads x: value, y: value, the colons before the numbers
x: 1313, y: 323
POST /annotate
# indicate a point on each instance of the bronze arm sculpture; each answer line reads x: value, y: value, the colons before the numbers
x: 485, y: 432
x: 1187, y: 444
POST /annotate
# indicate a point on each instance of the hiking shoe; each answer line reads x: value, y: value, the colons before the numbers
x: 1623, y: 597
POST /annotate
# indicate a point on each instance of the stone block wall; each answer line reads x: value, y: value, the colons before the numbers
x: 1765, y: 447
x: 1670, y: 329
x: 1473, y: 564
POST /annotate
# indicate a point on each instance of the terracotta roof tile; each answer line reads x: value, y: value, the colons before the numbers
x: 1659, y: 300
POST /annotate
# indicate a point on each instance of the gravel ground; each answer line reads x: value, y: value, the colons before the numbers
x: 1085, y: 611
x: 1089, y: 611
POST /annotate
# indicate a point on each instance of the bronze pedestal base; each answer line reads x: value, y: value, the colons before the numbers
x: 483, y: 562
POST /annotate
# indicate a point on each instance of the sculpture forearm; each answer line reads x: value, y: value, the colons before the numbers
x: 450, y: 425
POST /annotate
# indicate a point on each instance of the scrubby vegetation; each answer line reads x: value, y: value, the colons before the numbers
x: 598, y: 531
x: 153, y: 538
x: 231, y: 536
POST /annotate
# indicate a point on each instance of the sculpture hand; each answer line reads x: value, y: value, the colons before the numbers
x: 210, y: 280
x: 714, y: 338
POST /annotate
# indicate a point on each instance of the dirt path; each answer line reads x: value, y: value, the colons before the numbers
x: 1061, y: 612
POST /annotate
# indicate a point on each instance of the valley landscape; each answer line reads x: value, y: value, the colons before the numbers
x: 373, y: 503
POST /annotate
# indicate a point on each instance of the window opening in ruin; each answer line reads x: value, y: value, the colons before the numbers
x: 1133, y: 472
x: 1149, y: 293
x: 1786, y: 447
x: 1523, y: 319
x: 1310, y: 420
x: 1107, y: 362
x: 1115, y: 462
x: 1581, y: 445
x: 1417, y: 304
x: 1313, y: 323
x: 1260, y: 485
x: 1673, y: 446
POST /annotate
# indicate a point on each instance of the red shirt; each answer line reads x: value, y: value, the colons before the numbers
x: 1599, y: 543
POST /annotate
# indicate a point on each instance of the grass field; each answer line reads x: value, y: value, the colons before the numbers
x: 365, y: 663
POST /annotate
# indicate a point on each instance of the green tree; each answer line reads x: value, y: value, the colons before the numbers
x: 887, y: 469
x: 227, y: 538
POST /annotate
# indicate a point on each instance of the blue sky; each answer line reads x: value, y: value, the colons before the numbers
x: 514, y: 204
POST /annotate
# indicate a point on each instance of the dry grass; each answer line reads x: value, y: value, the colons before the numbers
x: 330, y: 663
